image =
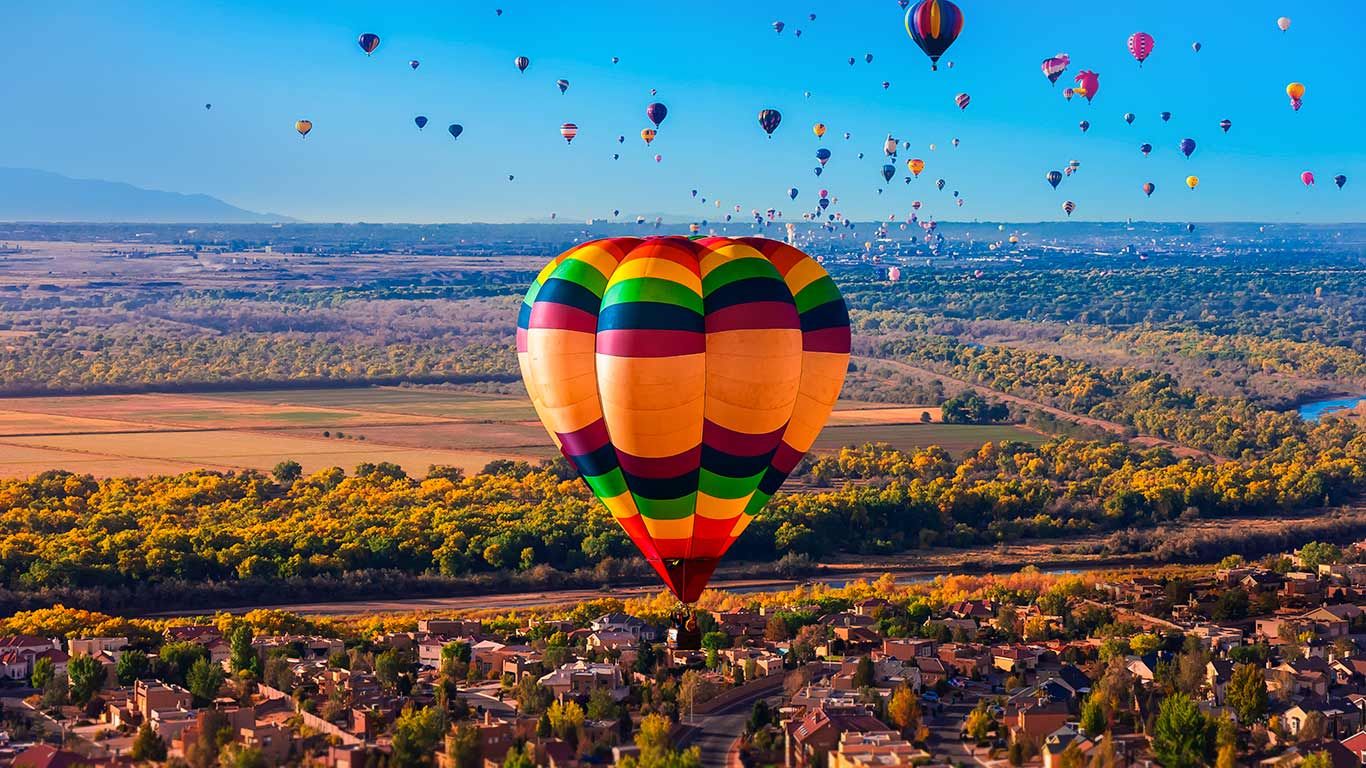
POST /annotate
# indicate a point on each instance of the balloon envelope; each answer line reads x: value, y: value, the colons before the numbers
x: 656, y: 113
x: 684, y: 382
x: 934, y: 25
x: 368, y: 42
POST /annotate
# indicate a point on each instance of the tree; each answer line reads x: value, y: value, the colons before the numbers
x: 287, y: 471
x: 242, y: 656
x: 520, y: 758
x: 85, y: 674
x: 775, y: 630
x: 1181, y: 735
x: 532, y: 697
x: 463, y: 748
x: 241, y: 756
x: 1228, y: 757
x: 43, y: 672
x: 147, y: 745
x: 601, y: 705
x: 1145, y: 643
x: 416, y: 735
x: 693, y: 689
x: 1317, y: 553
x: 712, y: 642
x: 178, y: 657
x: 1231, y: 605
x: 1093, y: 721
x: 1246, y: 693
x: 1320, y: 759
x: 132, y: 665
x: 904, y: 710
x: 979, y: 724
x: 204, y: 680
x: 863, y: 673
x: 203, y: 751
x: 388, y: 667
x: 566, y: 719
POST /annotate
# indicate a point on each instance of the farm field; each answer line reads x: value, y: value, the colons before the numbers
x: 954, y: 438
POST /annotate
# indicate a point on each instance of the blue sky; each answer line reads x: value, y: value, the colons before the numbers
x: 116, y: 91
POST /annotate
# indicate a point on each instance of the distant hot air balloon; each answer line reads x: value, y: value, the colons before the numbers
x: 868, y: 57
x: 562, y: 84
x: 889, y: 146
x: 1054, y: 178
x: 1165, y: 116
x: 939, y: 184
x: 1308, y: 178
x: 915, y: 165
x: 1084, y: 125
x: 779, y: 26
x: 1196, y: 46
x: 1145, y: 148
x: 1226, y: 124
x: 368, y: 42
x: 656, y: 113
x: 621, y: 139
x: 955, y: 143
x: 1129, y: 118
x: 498, y: 12
x: 1340, y: 180
x: 659, y: 158
x: 208, y: 106
x: 1088, y: 84
x: 522, y: 63
x: 1192, y: 181
x: 962, y: 100
x: 934, y: 25
x: 1067, y: 93
x: 723, y: 402
x: 1054, y: 66
x: 1073, y: 165
x: 414, y: 63
x: 421, y: 121
x: 888, y: 171
x: 1148, y: 188
x: 893, y: 274
x: 822, y: 155
x: 792, y: 193
x: 1296, y: 93
x: 818, y: 129
x: 1187, y: 146
x: 648, y: 135
x: 1068, y: 206
x: 303, y: 127
x: 886, y: 84
x: 769, y: 119
x: 569, y: 131
x: 1140, y: 46
x: 851, y: 61
x: 1283, y: 23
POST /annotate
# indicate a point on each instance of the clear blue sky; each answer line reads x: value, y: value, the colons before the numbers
x: 116, y: 91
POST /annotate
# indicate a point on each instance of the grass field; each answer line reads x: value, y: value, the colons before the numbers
x: 111, y: 435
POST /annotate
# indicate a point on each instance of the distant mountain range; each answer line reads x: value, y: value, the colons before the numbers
x: 32, y: 195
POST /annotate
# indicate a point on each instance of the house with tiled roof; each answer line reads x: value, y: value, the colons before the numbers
x: 812, y: 736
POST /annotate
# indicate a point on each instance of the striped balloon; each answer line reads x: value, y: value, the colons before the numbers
x: 569, y: 131
x: 684, y: 379
x: 962, y: 100
x: 1054, y: 66
x: 934, y: 25
x: 1140, y: 46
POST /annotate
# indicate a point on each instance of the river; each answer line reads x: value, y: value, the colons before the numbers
x: 1314, y: 410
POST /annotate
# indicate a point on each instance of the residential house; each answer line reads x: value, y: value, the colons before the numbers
x: 812, y: 736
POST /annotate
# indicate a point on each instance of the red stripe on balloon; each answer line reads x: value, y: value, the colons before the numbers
x: 584, y: 441
x: 662, y: 466
x: 650, y: 343
x: 739, y: 443
x: 827, y: 340
x: 550, y: 315
x: 753, y: 315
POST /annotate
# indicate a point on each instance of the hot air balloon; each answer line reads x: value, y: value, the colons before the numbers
x: 1054, y: 66
x: 656, y: 113
x: 1073, y: 165
x: 368, y: 42
x: 1340, y: 180
x: 1084, y: 125
x: 208, y: 106
x: 303, y: 127
x: 769, y: 120
x: 955, y: 143
x: 868, y: 58
x: 562, y: 84
x: 1069, y: 206
x: 569, y: 131
x: 779, y: 26
x: 684, y: 382
x: 421, y: 121
x: 889, y: 146
x: 648, y: 135
x: 1283, y: 23
x: 934, y: 25
x: 915, y: 165
x: 1054, y: 178
x: 1190, y: 227
x: 792, y: 193
x: 1140, y: 46
x: 886, y: 84
x: 1145, y: 149
x: 822, y: 155
x: 1308, y: 178
x: 1148, y: 188
x: 962, y: 100
x: 888, y: 171
x: 1192, y: 181
x: 1296, y: 93
x: 1067, y: 93
x: 498, y: 12
x: 694, y: 193
x: 414, y: 63
x: 1165, y: 116
x: 659, y: 158
x: 621, y: 139
x: 511, y: 177
x: 1196, y: 46
x: 1226, y: 124
x: 819, y: 130
x: 1088, y: 83
x: 1129, y: 118
x: 522, y: 63
x: 616, y: 59
x: 1187, y: 146
x: 939, y: 184
x: 616, y: 156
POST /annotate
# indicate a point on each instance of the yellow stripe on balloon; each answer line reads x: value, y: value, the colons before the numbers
x: 727, y: 253
x: 680, y: 528
x: 622, y: 506
x: 598, y: 258
x: 715, y: 508
x: 741, y: 525
x: 546, y: 271
x: 802, y: 274
x: 663, y: 269
x: 936, y: 18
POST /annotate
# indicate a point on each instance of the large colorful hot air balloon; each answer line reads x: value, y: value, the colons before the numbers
x: 521, y: 63
x: 1069, y: 206
x: 769, y: 119
x: 1148, y: 188
x: 1140, y: 46
x: 915, y: 165
x: 1308, y: 178
x: 648, y: 135
x: 934, y: 25
x: 1088, y: 83
x: 1054, y: 66
x: 1187, y: 146
x: 569, y: 131
x: 368, y: 42
x: 819, y: 130
x: 421, y: 121
x: 656, y: 113
x: 1054, y: 178
x: 1192, y: 181
x: 303, y: 127
x: 684, y: 380
x: 962, y: 100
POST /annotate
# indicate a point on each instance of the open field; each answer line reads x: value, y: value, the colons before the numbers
x: 141, y: 434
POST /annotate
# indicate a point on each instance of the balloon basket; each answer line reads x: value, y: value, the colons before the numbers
x: 685, y: 634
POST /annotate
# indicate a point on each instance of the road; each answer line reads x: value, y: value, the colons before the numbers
x: 717, y: 737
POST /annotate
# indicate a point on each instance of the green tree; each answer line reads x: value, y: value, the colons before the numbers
x: 1093, y: 720
x: 240, y: 756
x: 132, y: 665
x: 1246, y: 693
x: 388, y: 668
x: 1320, y: 759
x: 463, y: 748
x: 86, y: 675
x: 520, y: 758
x: 1317, y: 553
x: 601, y: 705
x: 43, y: 672
x: 286, y: 472
x: 863, y: 673
x: 1181, y: 736
x: 417, y: 733
x: 177, y: 658
x: 532, y: 697
x: 242, y: 656
x: 204, y: 681
x: 147, y: 745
